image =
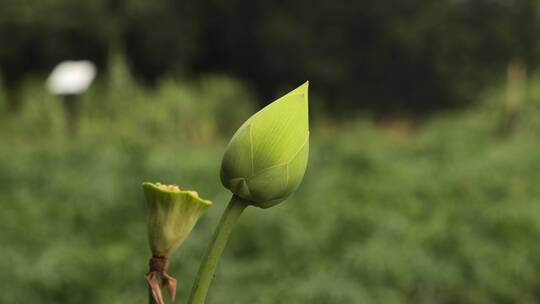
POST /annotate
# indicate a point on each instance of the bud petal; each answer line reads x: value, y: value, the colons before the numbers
x: 266, y: 159
x: 172, y: 213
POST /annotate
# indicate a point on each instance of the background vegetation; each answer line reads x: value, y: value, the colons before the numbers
x: 386, y: 56
x: 443, y: 212
x: 397, y: 206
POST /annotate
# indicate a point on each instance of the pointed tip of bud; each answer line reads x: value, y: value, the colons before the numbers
x: 302, y: 89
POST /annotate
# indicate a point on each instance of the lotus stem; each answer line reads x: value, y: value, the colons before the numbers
x: 150, y: 296
x: 215, y: 249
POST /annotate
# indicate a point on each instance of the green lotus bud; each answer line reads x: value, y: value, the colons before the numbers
x: 172, y: 213
x: 266, y: 158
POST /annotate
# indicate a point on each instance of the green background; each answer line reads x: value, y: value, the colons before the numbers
x: 389, y: 212
x: 422, y: 185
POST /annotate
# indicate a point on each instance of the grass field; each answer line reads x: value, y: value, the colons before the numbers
x: 447, y: 212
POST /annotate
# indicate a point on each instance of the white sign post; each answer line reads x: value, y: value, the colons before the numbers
x: 69, y: 79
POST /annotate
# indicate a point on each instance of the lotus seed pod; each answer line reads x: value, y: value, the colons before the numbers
x: 266, y: 158
x: 172, y: 213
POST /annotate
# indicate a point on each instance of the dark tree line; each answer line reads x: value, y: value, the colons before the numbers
x: 387, y: 56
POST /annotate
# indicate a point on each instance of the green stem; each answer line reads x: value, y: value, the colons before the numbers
x: 151, y: 297
x: 214, y: 250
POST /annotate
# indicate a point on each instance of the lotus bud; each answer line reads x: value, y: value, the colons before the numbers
x: 172, y: 213
x: 266, y: 158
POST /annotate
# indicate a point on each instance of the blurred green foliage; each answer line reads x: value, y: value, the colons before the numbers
x: 387, y: 56
x: 198, y: 110
x: 444, y: 212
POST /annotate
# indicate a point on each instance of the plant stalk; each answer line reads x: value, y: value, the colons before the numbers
x: 215, y: 249
x: 150, y: 297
